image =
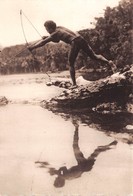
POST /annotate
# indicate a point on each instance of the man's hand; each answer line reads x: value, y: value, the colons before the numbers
x: 44, y: 37
x: 30, y: 48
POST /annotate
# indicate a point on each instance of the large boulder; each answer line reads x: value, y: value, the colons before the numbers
x: 115, y: 88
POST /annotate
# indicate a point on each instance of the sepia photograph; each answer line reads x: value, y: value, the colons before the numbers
x: 66, y: 98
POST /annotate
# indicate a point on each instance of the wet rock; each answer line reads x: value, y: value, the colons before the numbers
x: 108, y: 108
x: 61, y: 84
x: 116, y: 88
x: 3, y: 100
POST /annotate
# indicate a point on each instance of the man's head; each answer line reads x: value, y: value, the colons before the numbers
x: 50, y: 26
x: 59, y: 182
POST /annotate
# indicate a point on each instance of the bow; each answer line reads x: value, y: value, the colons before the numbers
x: 27, y: 44
x: 21, y: 19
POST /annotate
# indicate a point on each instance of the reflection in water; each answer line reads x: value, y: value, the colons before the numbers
x: 83, y: 164
x: 103, y: 122
x: 108, y: 123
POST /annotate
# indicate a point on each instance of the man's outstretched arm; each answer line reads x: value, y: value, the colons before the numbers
x: 41, y: 43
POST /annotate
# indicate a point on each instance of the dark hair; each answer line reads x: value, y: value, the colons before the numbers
x: 59, y: 182
x: 50, y: 24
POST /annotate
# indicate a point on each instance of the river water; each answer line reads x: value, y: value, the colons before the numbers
x: 60, y: 154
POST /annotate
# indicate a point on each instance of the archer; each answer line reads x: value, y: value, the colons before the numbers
x: 77, y: 42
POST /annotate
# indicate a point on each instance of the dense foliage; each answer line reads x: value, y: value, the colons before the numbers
x: 111, y: 37
x: 113, y: 33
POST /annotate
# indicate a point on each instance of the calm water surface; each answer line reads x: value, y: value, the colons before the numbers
x: 60, y: 154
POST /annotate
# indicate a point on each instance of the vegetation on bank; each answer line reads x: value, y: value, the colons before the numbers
x: 111, y: 37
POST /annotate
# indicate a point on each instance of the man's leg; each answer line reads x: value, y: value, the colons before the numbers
x: 88, y: 50
x: 109, y: 62
x: 99, y: 58
x: 72, y: 57
x: 72, y: 74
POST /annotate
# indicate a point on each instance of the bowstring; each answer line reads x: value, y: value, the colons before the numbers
x: 22, y: 13
x: 31, y: 23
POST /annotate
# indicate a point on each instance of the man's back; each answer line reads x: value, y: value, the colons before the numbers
x: 63, y: 34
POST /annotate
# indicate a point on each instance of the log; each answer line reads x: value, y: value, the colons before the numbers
x: 116, y: 88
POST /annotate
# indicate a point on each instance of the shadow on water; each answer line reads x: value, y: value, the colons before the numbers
x: 83, y: 164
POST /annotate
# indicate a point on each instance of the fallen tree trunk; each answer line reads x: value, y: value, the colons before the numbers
x: 115, y: 88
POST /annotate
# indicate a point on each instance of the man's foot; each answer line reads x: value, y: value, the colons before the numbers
x: 113, y: 66
x: 73, y: 86
x: 113, y: 143
x: 109, y: 146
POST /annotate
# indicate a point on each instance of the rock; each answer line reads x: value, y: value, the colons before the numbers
x: 61, y: 84
x: 81, y: 81
x: 49, y: 83
x: 129, y: 127
x: 3, y: 100
x: 109, y: 108
x: 92, y: 94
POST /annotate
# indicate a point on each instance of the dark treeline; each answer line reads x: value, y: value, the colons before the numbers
x: 111, y: 37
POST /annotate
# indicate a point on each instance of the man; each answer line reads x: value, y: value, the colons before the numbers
x: 77, y: 42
